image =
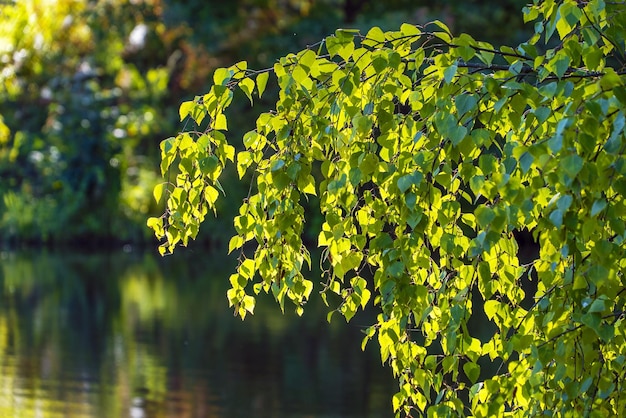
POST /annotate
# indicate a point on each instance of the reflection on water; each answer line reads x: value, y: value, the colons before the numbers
x: 128, y: 335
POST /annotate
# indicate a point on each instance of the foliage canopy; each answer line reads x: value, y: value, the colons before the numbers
x: 428, y: 153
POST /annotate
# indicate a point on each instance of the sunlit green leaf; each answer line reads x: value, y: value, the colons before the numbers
x: 247, y: 86
x: 185, y: 109
x: 158, y: 191
x: 472, y: 371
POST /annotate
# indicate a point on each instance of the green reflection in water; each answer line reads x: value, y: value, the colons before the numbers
x: 132, y: 335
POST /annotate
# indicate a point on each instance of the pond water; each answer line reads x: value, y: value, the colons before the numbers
x: 135, y: 335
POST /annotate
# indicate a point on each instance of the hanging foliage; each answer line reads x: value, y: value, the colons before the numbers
x: 429, y: 154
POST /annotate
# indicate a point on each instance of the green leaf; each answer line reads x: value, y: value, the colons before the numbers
x: 620, y: 93
x: 614, y: 143
x: 244, y: 160
x: 278, y: 164
x: 397, y: 400
x: 374, y: 38
x: 572, y: 165
x: 593, y: 321
x: 250, y: 139
x: 341, y: 45
x: 211, y: 194
x: 542, y: 113
x: 597, y: 207
x: 566, y: 19
x: 220, y: 124
x: 299, y: 74
x: 491, y: 308
x: 235, y: 243
x: 158, y: 191
x: 476, y: 184
x: 409, y: 30
x: 472, y: 371
x: 485, y: 55
x: 593, y: 58
x: 249, y: 303
x: 405, y: 182
x: 598, y: 305
x: 347, y: 34
x: 484, y: 215
x: 561, y: 64
x: 444, y: 34
x: 185, y: 109
x: 222, y: 76
x: 457, y: 134
x: 556, y: 217
x: 247, y: 86
x: 526, y: 161
x: 449, y: 73
x: 157, y: 225
x: 465, y: 103
x: 610, y: 79
x: 246, y: 269
x: 208, y: 165
x: 466, y: 46
x: 564, y: 202
x: 307, y: 59
x: 261, y: 82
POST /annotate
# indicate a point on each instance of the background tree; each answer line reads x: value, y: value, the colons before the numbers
x: 79, y: 99
x: 428, y: 153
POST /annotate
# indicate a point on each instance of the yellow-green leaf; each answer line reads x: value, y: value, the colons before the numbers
x: 261, y: 82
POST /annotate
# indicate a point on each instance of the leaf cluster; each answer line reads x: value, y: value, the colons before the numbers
x: 429, y: 153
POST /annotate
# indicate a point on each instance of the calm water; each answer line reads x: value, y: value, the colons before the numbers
x: 133, y: 335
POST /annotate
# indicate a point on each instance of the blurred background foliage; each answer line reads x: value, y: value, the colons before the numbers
x: 88, y: 88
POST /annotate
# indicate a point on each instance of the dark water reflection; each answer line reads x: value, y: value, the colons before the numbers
x: 133, y: 335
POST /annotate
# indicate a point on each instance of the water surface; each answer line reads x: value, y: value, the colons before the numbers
x: 134, y: 335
